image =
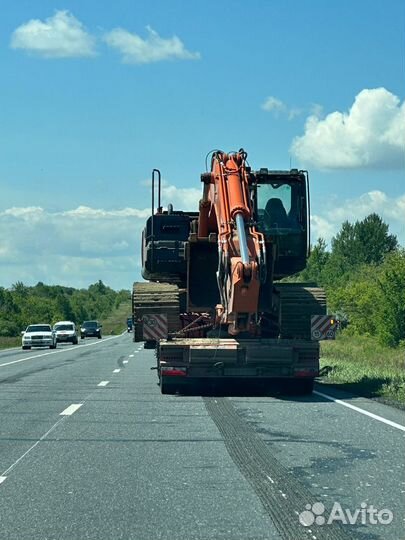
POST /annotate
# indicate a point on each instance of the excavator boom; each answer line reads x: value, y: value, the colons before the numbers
x: 227, y: 211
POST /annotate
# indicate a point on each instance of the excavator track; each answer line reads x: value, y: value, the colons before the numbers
x: 152, y: 299
x: 299, y: 301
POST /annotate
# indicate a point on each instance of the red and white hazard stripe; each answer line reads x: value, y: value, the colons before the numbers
x: 154, y: 327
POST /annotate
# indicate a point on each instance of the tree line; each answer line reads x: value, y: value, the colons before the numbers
x: 364, y: 277
x: 23, y: 305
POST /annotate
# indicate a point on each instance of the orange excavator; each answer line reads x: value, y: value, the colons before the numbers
x: 214, y: 305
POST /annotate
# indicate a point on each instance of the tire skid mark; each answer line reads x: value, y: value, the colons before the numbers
x: 282, y: 495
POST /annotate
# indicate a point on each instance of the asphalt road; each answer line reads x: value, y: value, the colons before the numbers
x: 90, y: 449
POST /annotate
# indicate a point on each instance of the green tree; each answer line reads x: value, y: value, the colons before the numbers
x: 317, y: 261
x: 64, y: 309
x: 374, y: 239
x: 366, y: 242
x: 23, y: 305
x: 390, y: 315
x: 20, y: 289
x: 357, y: 300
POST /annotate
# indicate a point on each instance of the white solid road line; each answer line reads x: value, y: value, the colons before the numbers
x: 60, y: 350
x: 71, y: 409
x: 362, y: 411
x: 103, y: 383
x: 116, y: 370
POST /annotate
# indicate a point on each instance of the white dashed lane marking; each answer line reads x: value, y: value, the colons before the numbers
x: 71, y: 409
x: 116, y: 370
x: 125, y: 361
x: 103, y: 383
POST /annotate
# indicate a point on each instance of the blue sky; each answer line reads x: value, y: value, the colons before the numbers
x: 91, y: 101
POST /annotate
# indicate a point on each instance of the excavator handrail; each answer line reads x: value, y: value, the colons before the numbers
x: 159, y: 210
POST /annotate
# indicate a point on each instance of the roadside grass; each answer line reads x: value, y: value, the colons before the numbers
x: 8, y: 342
x: 116, y: 322
x: 361, y: 365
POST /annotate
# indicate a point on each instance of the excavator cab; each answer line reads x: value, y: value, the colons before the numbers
x: 281, y: 201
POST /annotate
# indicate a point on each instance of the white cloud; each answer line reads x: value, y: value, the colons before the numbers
x: 370, y: 135
x: 136, y: 50
x: 28, y: 213
x: 323, y: 227
x: 60, y: 36
x: 277, y: 107
x: 327, y: 222
x: 273, y: 104
x: 85, y: 212
x: 78, y: 246
x: 75, y: 247
x: 181, y: 198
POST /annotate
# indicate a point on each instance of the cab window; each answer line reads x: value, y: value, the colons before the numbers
x: 278, y: 207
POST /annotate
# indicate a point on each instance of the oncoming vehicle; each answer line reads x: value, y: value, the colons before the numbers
x: 38, y: 335
x: 129, y: 324
x: 90, y: 329
x: 65, y: 332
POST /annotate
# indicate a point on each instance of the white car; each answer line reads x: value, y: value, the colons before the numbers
x: 65, y: 332
x: 38, y: 335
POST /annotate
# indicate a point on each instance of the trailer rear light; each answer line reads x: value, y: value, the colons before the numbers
x: 173, y: 371
x: 306, y: 372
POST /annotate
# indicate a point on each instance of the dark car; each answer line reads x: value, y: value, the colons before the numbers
x: 129, y: 324
x: 90, y: 329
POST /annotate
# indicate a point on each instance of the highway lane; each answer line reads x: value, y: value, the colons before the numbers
x: 131, y: 463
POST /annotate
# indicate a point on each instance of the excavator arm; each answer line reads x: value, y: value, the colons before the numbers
x: 226, y: 210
